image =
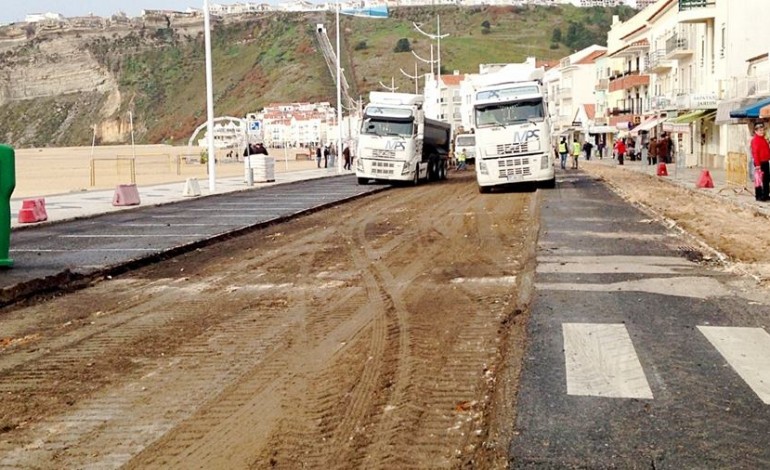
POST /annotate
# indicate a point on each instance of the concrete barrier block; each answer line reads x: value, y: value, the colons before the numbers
x: 126, y: 195
x: 191, y: 188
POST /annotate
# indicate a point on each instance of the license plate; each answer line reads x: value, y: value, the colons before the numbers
x: 515, y: 177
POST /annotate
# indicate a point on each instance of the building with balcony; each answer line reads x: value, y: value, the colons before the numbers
x: 699, y: 68
x: 572, y: 86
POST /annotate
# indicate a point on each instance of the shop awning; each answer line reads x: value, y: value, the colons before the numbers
x: 750, y: 111
x: 681, y: 124
x: 689, y: 117
x: 765, y: 111
x: 602, y: 129
x: 647, y: 125
x: 725, y: 107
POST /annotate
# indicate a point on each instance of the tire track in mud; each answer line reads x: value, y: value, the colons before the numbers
x: 343, y: 343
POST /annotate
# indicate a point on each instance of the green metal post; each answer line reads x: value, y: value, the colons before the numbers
x: 7, y: 185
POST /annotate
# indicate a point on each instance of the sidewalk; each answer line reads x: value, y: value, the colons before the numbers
x: 688, y: 179
x: 74, y: 205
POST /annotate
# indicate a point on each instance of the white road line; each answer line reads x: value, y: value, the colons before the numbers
x: 90, y: 250
x: 601, y: 361
x: 747, y: 350
x: 123, y: 235
x: 685, y: 286
x: 620, y: 259
x: 608, y: 268
x: 172, y: 226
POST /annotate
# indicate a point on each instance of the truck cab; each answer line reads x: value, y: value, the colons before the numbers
x: 512, y: 135
x: 398, y: 143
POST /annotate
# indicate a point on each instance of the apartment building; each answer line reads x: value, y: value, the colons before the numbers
x: 681, y: 67
x: 575, y: 89
x: 443, y: 100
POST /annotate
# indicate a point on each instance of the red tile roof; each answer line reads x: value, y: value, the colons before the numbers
x: 590, y: 58
x: 590, y: 110
x: 452, y: 80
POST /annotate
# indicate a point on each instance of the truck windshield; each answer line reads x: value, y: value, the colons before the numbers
x: 380, y: 126
x: 517, y: 112
x: 465, y: 141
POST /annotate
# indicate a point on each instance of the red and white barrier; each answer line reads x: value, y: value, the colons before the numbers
x: 126, y: 195
x: 32, y: 210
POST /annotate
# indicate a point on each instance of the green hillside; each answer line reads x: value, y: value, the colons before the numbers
x: 274, y: 57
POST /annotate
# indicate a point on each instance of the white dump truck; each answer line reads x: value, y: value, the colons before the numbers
x: 513, y: 132
x: 466, y: 142
x: 398, y: 143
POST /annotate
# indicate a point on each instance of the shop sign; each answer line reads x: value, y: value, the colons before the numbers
x: 703, y: 101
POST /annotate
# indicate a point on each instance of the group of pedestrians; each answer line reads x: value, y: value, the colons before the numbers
x: 328, y: 153
x: 564, y: 150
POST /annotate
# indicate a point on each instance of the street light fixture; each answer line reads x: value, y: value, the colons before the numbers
x: 438, y: 36
x: 392, y: 88
x: 209, y: 97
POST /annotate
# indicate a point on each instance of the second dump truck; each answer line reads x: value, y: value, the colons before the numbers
x: 398, y: 143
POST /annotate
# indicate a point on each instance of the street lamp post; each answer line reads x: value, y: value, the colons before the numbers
x: 438, y: 37
x: 209, y: 97
x: 339, y: 94
x: 392, y: 88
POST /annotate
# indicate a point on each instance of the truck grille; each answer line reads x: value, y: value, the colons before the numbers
x: 383, y: 168
x: 383, y: 153
x: 513, y: 148
x: 514, y: 166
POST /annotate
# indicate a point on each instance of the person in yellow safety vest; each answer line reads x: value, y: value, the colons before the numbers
x: 563, y: 153
x: 576, y: 148
x: 461, y: 160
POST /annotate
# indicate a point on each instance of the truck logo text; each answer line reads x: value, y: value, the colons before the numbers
x: 395, y: 145
x: 526, y: 136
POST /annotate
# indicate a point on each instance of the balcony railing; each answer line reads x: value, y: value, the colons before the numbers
x: 685, y: 5
x: 602, y: 84
x: 677, y: 47
x: 629, y: 81
x: 657, y: 61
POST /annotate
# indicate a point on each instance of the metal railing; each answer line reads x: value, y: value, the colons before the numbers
x: 685, y: 5
x: 675, y: 43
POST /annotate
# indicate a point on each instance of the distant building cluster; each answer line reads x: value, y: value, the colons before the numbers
x: 241, y: 8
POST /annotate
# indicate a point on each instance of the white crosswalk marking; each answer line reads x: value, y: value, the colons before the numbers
x: 747, y: 350
x: 601, y: 361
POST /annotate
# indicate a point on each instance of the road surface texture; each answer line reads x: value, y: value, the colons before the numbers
x: 645, y: 351
x: 382, y: 333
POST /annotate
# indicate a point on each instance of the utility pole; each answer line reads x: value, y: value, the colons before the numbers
x: 392, y: 88
x: 414, y: 77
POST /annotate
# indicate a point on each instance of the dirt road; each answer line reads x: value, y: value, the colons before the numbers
x: 384, y: 333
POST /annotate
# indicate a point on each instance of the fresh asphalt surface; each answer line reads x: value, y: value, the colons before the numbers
x: 56, y: 255
x: 619, y: 372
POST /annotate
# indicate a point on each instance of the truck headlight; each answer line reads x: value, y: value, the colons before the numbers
x: 483, y: 168
x: 544, y: 160
x: 359, y: 164
x: 406, y: 169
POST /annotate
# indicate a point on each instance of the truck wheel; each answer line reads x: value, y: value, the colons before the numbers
x: 550, y: 184
x: 416, y: 179
x: 442, y: 170
x: 363, y: 181
x: 484, y: 189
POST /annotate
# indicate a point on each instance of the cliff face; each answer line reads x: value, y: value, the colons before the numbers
x: 54, y: 90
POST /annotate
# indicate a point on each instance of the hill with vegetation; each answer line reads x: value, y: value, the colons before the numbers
x: 156, y: 71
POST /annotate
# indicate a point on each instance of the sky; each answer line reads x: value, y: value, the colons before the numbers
x: 15, y: 10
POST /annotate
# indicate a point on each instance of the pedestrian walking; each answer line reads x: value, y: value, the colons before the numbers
x: 761, y: 152
x: 563, y: 153
x: 326, y: 155
x: 318, y: 155
x: 600, y: 148
x: 587, y: 148
x: 652, y: 152
x: 576, y: 148
x: 346, y: 156
x: 461, y: 160
x: 620, y: 149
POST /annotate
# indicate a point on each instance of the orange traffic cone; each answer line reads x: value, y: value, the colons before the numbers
x: 662, y: 170
x: 705, y: 180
